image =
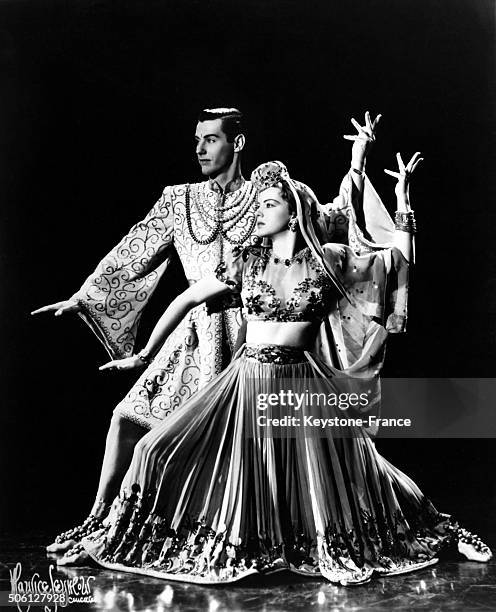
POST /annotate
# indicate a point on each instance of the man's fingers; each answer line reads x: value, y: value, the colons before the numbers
x: 350, y: 137
x: 39, y: 310
x: 48, y: 308
x: 66, y: 308
x: 401, y: 165
x: 57, y: 308
x: 368, y: 123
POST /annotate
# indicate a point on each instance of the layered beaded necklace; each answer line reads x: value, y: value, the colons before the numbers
x: 223, y: 217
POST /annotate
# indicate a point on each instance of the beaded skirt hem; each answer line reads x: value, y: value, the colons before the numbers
x: 229, y: 578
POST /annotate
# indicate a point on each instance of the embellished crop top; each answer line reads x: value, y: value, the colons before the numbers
x: 275, y: 289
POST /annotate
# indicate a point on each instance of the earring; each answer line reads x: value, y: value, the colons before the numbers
x: 293, y: 224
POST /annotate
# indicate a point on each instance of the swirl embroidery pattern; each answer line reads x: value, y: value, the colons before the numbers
x: 113, y: 297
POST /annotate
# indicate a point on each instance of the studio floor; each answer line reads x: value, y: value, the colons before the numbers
x: 451, y: 585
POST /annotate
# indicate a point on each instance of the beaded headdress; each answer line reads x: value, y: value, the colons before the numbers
x: 275, y: 174
x: 270, y: 174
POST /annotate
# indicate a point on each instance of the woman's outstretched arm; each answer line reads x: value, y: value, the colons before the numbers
x: 404, y: 221
x: 362, y: 143
x: 205, y: 289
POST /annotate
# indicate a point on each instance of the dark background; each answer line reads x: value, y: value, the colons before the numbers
x: 98, y: 109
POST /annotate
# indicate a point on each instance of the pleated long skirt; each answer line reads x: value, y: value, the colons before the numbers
x: 215, y: 494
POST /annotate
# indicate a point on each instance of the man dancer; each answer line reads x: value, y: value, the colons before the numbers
x: 200, y: 221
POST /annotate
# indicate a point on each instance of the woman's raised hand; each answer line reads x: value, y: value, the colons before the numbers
x: 363, y: 140
x: 129, y: 363
x: 404, y: 173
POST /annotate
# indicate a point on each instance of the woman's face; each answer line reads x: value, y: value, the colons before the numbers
x: 273, y: 213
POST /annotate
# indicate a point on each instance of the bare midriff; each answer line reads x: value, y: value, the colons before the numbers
x: 300, y: 334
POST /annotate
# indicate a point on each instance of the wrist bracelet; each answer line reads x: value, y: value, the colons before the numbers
x: 144, y: 356
x: 405, y: 221
x: 359, y: 172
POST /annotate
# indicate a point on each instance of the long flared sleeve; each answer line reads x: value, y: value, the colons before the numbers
x: 113, y: 297
x: 358, y: 218
x: 354, y: 335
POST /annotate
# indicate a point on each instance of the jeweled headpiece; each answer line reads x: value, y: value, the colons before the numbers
x: 270, y: 174
x: 275, y: 174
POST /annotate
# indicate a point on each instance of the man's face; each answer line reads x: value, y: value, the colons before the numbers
x: 215, y: 154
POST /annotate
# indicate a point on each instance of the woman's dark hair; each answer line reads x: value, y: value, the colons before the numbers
x: 305, y: 199
x: 287, y: 194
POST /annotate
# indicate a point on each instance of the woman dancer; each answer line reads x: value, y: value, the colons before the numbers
x: 216, y: 494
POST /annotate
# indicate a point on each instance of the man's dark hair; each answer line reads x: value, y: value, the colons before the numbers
x: 232, y: 120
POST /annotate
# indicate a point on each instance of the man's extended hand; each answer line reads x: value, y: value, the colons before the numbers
x: 363, y: 141
x: 59, y: 308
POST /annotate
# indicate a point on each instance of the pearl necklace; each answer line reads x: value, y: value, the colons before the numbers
x: 243, y: 202
x: 220, y: 225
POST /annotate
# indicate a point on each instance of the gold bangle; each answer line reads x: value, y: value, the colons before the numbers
x: 405, y: 221
x: 145, y: 357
